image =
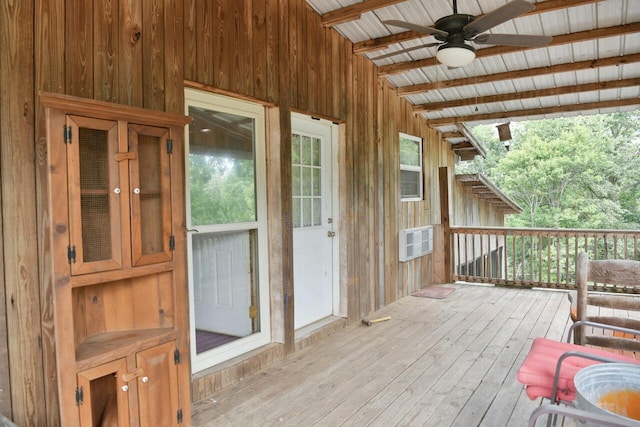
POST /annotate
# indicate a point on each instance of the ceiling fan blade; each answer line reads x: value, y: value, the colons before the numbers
x: 410, y: 49
x: 415, y: 27
x: 513, y: 40
x: 498, y: 16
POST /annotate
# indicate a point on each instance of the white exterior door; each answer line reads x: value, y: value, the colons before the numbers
x: 314, y: 161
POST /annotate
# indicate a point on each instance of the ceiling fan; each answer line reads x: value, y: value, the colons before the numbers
x: 453, y: 32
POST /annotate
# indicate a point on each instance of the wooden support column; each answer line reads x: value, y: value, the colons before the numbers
x: 443, y: 178
x: 282, y: 69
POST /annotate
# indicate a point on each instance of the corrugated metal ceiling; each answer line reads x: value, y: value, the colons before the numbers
x: 591, y: 66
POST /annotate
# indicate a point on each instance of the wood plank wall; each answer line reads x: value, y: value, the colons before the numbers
x: 120, y: 51
x: 139, y: 53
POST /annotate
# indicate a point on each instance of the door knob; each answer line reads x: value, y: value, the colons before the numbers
x: 331, y: 233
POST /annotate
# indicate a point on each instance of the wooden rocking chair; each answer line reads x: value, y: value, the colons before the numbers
x: 550, y: 366
x: 626, y: 275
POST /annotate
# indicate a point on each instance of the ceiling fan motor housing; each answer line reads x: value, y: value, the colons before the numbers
x: 454, y: 25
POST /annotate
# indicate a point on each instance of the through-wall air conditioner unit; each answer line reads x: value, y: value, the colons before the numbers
x: 415, y: 242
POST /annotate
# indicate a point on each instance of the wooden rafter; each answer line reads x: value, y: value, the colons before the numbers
x: 353, y: 12
x: 451, y: 135
x: 384, y: 42
x: 535, y: 111
x: 476, y: 147
x: 485, y: 190
x: 518, y: 74
x: 580, y: 36
x: 536, y: 93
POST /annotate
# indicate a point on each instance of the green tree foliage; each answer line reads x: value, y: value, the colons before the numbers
x: 222, y: 190
x: 579, y: 172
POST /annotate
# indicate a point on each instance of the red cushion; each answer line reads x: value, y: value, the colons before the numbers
x: 538, y: 369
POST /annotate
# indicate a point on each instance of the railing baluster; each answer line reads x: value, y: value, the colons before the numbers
x: 533, y: 257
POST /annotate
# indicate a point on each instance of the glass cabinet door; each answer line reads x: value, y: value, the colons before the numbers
x: 94, y: 195
x: 150, y: 176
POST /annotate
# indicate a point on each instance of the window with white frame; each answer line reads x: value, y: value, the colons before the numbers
x: 410, y: 168
x: 226, y: 217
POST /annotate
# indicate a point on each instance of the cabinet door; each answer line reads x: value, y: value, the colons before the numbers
x: 150, y: 178
x: 158, y: 388
x: 104, y: 401
x: 94, y: 195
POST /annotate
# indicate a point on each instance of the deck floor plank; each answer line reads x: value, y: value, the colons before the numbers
x: 437, y: 362
x: 449, y: 351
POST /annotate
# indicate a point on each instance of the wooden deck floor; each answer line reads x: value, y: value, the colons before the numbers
x: 437, y: 362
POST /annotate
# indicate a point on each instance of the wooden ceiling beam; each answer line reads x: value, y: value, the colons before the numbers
x: 519, y: 74
x: 384, y: 42
x: 534, y: 112
x: 353, y: 12
x: 536, y: 93
x: 581, y: 36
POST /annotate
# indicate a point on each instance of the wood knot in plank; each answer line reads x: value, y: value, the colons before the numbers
x: 136, y: 34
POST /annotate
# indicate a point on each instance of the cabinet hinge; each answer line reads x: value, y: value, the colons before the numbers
x: 71, y: 254
x: 172, y: 242
x: 169, y: 146
x: 67, y: 134
x: 179, y: 416
x: 79, y: 396
x: 176, y: 357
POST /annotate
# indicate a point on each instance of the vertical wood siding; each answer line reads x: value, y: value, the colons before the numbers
x: 49, y: 68
x: 24, y: 378
x: 139, y: 53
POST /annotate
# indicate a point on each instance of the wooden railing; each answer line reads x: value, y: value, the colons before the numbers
x: 534, y: 257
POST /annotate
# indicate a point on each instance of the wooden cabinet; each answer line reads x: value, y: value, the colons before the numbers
x: 115, y: 201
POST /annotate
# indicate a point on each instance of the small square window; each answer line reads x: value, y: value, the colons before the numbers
x: 411, y: 186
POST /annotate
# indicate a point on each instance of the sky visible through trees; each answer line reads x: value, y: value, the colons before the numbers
x: 577, y: 172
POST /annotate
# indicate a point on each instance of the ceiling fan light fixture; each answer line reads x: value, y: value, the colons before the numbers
x: 454, y: 54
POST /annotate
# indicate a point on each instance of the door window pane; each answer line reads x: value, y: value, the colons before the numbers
x: 306, y: 158
x: 224, y: 287
x: 221, y: 168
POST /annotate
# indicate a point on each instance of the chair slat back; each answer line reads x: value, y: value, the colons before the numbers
x: 623, y: 273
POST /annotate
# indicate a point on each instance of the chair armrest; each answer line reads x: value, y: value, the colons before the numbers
x: 573, y: 311
x: 600, y: 325
x: 578, y: 414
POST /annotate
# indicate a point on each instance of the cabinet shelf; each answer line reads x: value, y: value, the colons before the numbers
x: 107, y: 346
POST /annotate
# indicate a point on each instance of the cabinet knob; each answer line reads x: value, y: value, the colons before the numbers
x: 125, y: 387
x: 136, y: 191
x: 116, y: 190
x: 145, y: 379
